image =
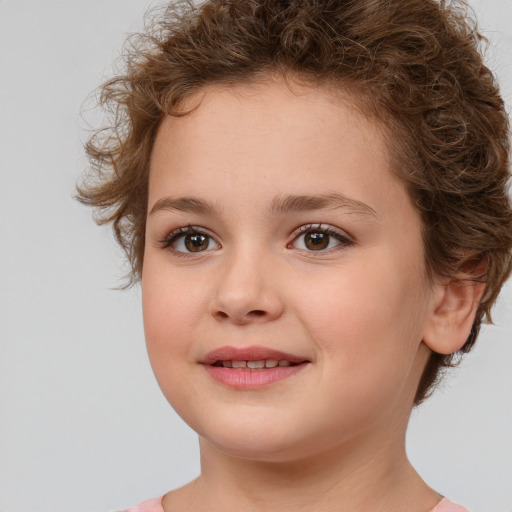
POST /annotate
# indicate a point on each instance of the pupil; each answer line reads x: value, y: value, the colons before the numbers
x: 196, y: 242
x: 316, y: 241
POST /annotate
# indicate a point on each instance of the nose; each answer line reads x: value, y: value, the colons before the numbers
x: 247, y: 291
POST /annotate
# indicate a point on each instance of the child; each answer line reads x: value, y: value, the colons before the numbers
x: 313, y: 197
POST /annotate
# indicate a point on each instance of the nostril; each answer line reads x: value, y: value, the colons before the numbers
x: 240, y: 317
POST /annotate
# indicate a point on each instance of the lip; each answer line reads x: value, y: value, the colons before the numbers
x: 247, y: 379
x: 253, y: 353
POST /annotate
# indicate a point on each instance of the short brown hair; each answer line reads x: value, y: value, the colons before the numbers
x: 415, y: 65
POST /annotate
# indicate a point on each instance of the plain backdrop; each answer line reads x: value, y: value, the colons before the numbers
x: 83, y: 426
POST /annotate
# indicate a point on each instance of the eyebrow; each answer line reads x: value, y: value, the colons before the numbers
x: 334, y: 201
x: 184, y: 204
x: 279, y: 205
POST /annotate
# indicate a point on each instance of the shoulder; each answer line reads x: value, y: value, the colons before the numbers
x: 445, y: 505
x: 154, y: 505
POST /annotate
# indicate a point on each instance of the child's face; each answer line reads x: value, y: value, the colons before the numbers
x: 296, y: 237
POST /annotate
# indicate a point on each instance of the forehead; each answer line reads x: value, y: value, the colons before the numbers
x: 263, y: 125
x: 262, y: 140
x: 273, y: 98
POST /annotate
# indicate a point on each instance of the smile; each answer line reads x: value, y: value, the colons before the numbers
x: 251, y: 367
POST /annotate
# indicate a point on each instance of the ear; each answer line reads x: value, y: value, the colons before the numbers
x: 453, y: 314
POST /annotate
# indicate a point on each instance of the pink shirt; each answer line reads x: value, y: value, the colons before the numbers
x: 445, y: 505
x: 155, y: 505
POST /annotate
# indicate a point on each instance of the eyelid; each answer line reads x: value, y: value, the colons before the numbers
x: 170, y: 238
x: 344, y: 238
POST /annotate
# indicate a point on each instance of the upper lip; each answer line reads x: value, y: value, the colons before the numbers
x: 253, y: 353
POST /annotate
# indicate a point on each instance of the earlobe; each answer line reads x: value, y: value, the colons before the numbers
x: 453, y: 315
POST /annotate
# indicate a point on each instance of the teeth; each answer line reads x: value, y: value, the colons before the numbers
x: 255, y: 365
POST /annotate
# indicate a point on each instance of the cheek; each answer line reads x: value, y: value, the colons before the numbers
x: 170, y: 309
x: 367, y: 322
x: 167, y: 328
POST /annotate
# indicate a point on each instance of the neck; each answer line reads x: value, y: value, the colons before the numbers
x: 334, y: 481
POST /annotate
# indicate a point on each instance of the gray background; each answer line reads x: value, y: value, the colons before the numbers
x: 83, y: 426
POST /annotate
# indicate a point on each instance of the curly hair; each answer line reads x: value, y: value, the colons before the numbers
x: 414, y: 65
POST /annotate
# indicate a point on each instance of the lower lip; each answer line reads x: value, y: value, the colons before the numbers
x: 252, y: 379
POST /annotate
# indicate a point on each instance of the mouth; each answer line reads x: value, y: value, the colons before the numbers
x: 252, y: 358
x: 252, y: 367
x: 261, y: 364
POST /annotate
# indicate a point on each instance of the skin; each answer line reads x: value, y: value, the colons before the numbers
x: 358, y: 311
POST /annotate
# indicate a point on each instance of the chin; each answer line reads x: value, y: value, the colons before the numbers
x: 274, y: 444
x: 256, y: 442
x: 268, y: 451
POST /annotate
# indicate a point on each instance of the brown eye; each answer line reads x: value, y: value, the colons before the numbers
x: 189, y: 241
x: 196, y: 242
x: 316, y: 240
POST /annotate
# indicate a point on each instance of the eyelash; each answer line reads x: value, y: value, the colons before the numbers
x: 173, y: 236
x: 344, y: 239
